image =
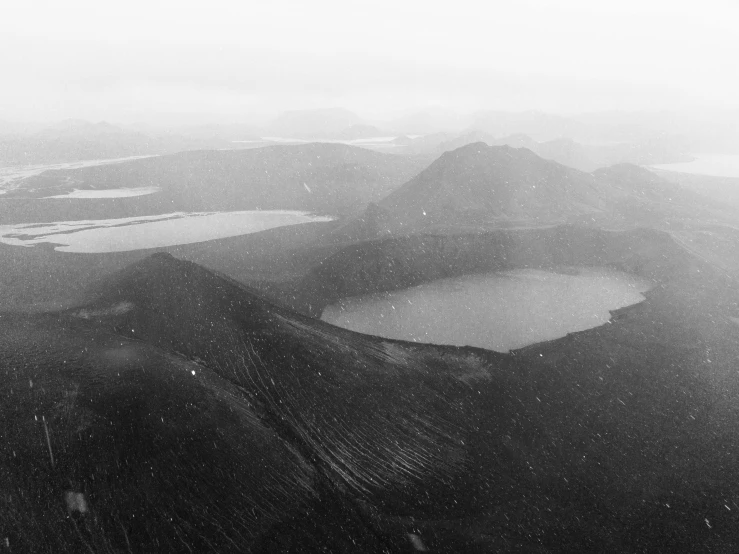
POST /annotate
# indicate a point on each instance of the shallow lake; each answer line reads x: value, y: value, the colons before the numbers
x: 719, y: 165
x: 498, y: 311
x: 90, y: 194
x: 12, y: 177
x: 135, y: 233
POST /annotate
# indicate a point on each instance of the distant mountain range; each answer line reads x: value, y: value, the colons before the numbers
x: 696, y: 131
x: 360, y: 131
x: 586, y: 141
x: 75, y: 140
x: 323, y: 123
x: 585, y: 157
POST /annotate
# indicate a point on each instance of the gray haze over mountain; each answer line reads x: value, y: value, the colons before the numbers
x: 185, y: 62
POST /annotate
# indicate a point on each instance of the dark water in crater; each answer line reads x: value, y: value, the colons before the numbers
x: 498, y: 311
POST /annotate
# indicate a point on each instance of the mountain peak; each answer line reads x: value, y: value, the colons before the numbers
x: 478, y: 184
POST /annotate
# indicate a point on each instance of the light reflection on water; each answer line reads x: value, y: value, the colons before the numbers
x: 717, y: 165
x: 90, y: 194
x: 134, y: 233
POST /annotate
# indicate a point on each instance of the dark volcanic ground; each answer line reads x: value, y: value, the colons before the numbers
x: 176, y: 410
x: 155, y: 405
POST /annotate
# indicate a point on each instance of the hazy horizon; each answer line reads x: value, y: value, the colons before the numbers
x: 177, y: 63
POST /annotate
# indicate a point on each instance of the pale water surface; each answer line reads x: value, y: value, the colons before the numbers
x: 498, y: 311
x: 88, y: 194
x: 718, y: 165
x: 135, y: 233
x: 12, y: 177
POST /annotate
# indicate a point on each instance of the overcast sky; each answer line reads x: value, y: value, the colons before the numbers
x: 133, y: 60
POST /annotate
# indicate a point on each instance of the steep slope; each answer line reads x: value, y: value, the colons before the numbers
x: 189, y: 413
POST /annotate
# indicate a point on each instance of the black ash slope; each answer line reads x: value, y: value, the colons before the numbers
x: 187, y: 411
x: 179, y: 411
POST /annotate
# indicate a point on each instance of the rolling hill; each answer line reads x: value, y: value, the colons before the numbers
x: 79, y: 140
x: 330, y: 179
